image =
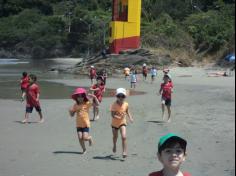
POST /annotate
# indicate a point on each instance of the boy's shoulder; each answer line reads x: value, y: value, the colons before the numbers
x: 159, y: 173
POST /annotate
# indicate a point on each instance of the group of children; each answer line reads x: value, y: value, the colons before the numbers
x: 131, y: 74
x: 171, y: 148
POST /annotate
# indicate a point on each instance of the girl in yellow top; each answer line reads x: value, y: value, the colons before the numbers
x: 81, y: 109
x: 119, y: 111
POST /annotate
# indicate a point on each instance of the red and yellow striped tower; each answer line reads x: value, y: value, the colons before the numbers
x: 125, y: 25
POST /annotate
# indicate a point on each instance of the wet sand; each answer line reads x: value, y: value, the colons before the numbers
x: 203, y: 113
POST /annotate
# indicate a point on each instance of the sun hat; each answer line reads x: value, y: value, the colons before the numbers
x: 167, y: 138
x: 79, y: 91
x: 121, y: 91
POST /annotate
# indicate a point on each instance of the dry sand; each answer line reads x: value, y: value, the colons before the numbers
x: 203, y: 113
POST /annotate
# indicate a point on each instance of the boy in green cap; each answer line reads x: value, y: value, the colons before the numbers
x: 171, y: 153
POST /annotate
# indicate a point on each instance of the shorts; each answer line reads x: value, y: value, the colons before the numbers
x: 119, y: 127
x: 30, y: 109
x: 166, y: 101
x: 82, y: 130
x: 23, y: 90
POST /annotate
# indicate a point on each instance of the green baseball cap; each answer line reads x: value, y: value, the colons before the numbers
x: 169, y: 137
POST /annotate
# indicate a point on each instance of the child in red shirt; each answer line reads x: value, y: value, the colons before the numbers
x: 98, y: 90
x: 32, y: 99
x: 24, y: 83
x: 166, y: 90
x: 171, y: 153
x: 92, y: 74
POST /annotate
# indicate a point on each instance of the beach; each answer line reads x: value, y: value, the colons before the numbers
x: 203, y: 113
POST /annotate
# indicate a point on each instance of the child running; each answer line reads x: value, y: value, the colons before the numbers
x: 153, y: 73
x: 92, y: 74
x: 133, y: 79
x: 145, y: 72
x: 172, y: 154
x: 166, y: 91
x: 81, y: 109
x: 24, y: 83
x: 119, y: 111
x: 32, y: 99
x: 98, y: 90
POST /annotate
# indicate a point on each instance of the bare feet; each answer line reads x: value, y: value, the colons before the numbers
x: 114, y: 149
x: 91, y: 141
x: 25, y: 121
x: 41, y: 121
x: 84, y: 152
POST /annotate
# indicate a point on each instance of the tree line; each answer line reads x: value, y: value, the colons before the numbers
x: 57, y: 28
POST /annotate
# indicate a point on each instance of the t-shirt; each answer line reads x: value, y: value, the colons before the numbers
x: 153, y: 72
x: 145, y: 70
x: 25, y: 82
x: 93, y: 72
x: 161, y: 174
x: 167, y: 90
x: 120, y: 111
x: 99, y: 93
x: 82, y: 114
x: 133, y: 78
x: 127, y: 71
x: 31, y: 95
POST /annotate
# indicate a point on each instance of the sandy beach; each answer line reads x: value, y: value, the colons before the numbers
x: 203, y: 113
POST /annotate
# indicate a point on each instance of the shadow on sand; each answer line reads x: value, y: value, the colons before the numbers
x: 109, y: 157
x: 157, y: 122
x: 20, y: 122
x: 68, y: 152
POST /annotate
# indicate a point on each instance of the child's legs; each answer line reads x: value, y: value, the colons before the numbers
x: 163, y: 108
x: 81, y: 141
x: 168, y: 105
x: 115, y: 137
x: 38, y: 109
x: 124, y: 139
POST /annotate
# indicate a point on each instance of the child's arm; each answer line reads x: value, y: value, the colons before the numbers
x: 160, y: 91
x: 96, y: 102
x: 129, y: 116
x: 114, y: 115
x: 71, y: 112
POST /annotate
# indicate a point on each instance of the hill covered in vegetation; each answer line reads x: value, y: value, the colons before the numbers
x: 59, y: 28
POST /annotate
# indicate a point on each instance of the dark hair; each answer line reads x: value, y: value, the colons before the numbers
x: 85, y: 98
x: 171, y: 143
x: 33, y: 77
x: 24, y: 74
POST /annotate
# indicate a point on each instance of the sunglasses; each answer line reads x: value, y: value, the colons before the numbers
x: 121, y: 96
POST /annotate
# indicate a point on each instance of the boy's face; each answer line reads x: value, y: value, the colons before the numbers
x: 172, y: 157
x: 31, y: 81
x: 121, y: 98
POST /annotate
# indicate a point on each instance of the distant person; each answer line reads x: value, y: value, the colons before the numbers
x: 119, y: 111
x: 153, y: 73
x: 92, y: 74
x: 145, y: 72
x: 98, y: 90
x: 133, y: 79
x: 166, y: 91
x: 24, y: 83
x: 126, y: 72
x: 218, y: 74
x: 172, y: 154
x: 81, y: 108
x: 32, y: 99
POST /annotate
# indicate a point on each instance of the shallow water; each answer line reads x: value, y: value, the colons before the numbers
x: 11, y: 70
